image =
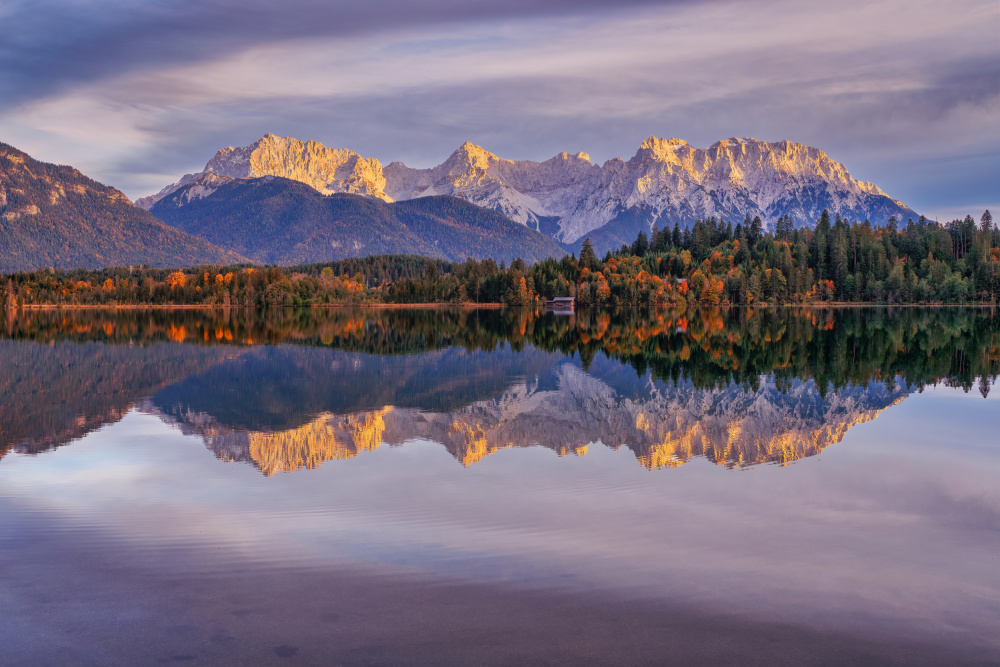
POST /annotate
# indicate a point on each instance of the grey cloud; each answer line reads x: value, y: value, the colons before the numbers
x: 49, y: 45
x: 946, y: 88
x: 967, y: 83
x: 878, y: 135
x: 891, y: 110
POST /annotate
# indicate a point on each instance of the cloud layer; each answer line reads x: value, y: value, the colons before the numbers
x: 906, y: 94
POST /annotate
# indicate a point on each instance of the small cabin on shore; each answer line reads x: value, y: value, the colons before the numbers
x: 563, y: 304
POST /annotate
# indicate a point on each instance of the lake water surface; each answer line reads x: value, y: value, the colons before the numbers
x: 498, y: 487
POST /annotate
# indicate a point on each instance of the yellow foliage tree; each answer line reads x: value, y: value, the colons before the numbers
x: 176, y: 279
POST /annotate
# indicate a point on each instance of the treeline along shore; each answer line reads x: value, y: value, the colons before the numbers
x: 712, y: 263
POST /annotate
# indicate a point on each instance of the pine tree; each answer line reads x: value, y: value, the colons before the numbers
x: 640, y: 245
x: 588, y: 258
x: 824, y: 222
x: 756, y: 229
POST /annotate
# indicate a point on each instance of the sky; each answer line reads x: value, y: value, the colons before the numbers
x: 135, y: 93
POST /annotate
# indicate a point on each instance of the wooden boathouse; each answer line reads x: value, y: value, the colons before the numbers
x: 561, y: 304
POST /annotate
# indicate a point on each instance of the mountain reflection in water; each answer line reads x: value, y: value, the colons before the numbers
x: 294, y: 389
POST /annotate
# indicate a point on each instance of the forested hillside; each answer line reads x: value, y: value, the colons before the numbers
x: 280, y: 221
x: 54, y: 216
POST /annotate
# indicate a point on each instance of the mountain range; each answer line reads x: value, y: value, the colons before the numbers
x: 285, y: 201
x: 569, y: 197
x: 53, y: 215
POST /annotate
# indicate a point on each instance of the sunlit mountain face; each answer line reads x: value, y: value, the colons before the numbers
x: 666, y: 182
x: 293, y: 390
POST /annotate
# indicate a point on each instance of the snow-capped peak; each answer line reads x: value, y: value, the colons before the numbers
x: 667, y: 181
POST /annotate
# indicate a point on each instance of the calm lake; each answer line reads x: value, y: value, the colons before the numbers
x: 792, y: 486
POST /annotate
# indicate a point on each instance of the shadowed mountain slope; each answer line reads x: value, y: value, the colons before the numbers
x: 282, y: 221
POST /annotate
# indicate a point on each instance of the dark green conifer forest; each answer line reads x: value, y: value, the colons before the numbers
x: 713, y: 263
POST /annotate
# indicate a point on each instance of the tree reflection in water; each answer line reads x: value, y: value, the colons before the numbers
x: 291, y: 389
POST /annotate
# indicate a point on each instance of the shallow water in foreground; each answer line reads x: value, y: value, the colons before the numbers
x: 796, y: 487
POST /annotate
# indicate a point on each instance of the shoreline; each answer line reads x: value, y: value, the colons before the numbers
x: 480, y: 306
x: 477, y: 306
x: 324, y: 306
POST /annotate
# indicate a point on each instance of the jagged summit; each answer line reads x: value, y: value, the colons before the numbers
x: 474, y: 152
x: 566, y: 157
x: 328, y: 170
x: 659, y: 148
x: 666, y: 182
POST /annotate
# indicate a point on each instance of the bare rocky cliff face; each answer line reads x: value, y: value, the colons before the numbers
x: 328, y: 170
x: 666, y: 182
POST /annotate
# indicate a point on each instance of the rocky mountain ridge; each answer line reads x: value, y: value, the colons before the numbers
x: 667, y: 181
x: 327, y: 170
